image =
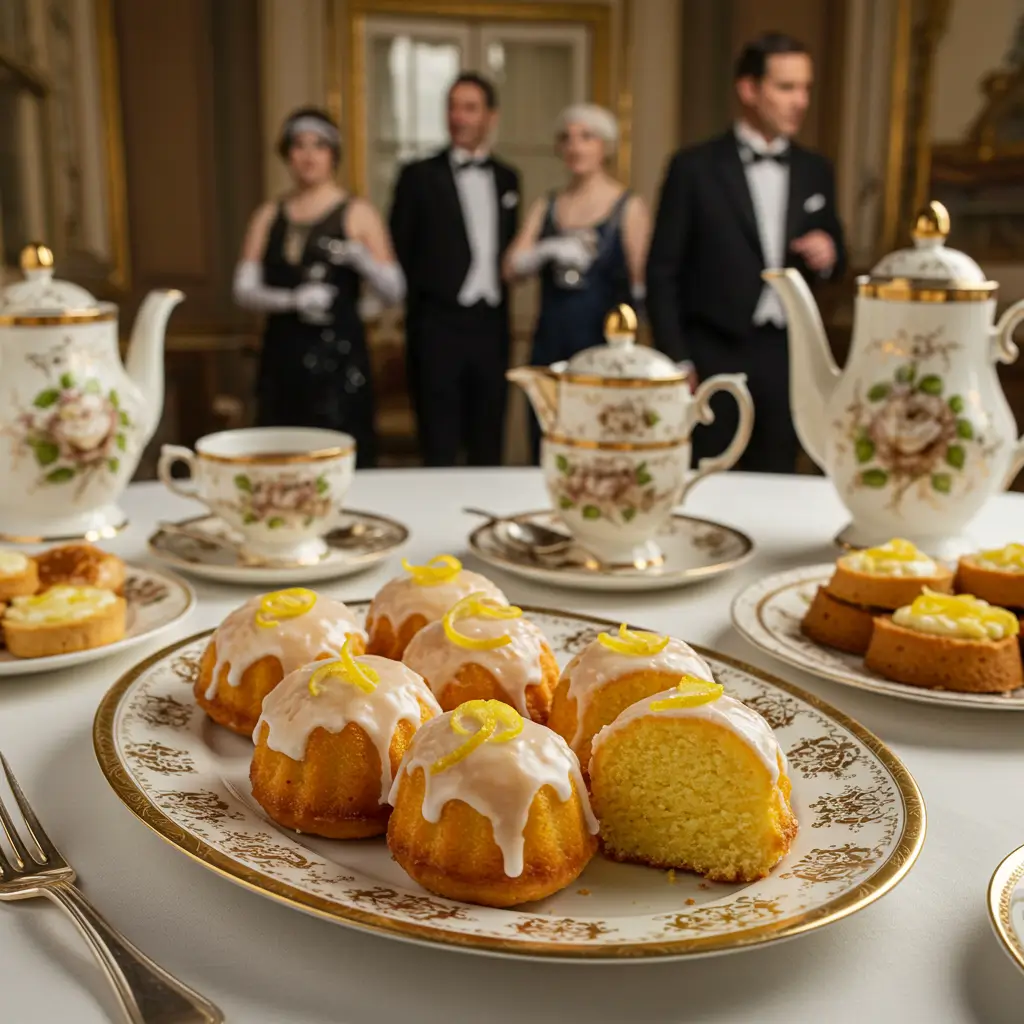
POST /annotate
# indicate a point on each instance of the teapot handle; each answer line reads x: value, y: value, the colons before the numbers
x: 1004, y: 349
x: 169, y: 455
x: 734, y: 384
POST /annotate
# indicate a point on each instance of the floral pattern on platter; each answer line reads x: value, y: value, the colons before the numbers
x: 612, y: 487
x: 285, y: 500
x: 208, y: 811
x: 908, y: 432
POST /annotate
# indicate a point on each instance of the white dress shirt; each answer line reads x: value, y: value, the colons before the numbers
x: 478, y: 197
x: 768, y: 181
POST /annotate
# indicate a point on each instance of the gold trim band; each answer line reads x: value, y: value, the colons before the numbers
x: 615, y: 446
x: 73, y: 316
x: 905, y: 290
x: 616, y: 382
x: 280, y: 458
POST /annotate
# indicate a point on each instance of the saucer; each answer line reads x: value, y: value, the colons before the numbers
x: 376, y: 538
x: 1006, y: 905
x: 693, y: 549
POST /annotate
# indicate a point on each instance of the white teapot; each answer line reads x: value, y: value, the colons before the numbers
x: 73, y: 419
x: 915, y: 431
x: 616, y: 422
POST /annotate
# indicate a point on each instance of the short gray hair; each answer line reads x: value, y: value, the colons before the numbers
x: 599, y: 120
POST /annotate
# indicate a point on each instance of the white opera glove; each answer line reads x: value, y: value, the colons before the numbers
x: 251, y: 293
x: 314, y: 298
x: 386, y: 279
x: 564, y: 250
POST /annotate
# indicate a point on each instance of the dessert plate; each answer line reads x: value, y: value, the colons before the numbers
x: 156, y: 600
x: 694, y: 549
x: 768, y: 614
x: 1006, y: 905
x: 861, y: 816
x: 362, y: 541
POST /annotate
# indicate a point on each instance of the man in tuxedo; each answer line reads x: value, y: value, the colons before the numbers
x: 453, y: 216
x: 730, y: 207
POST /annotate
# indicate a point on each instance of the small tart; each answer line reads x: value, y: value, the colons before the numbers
x: 63, y: 619
x: 19, y: 575
x: 887, y: 577
x: 995, y: 576
x: 82, y: 565
x: 835, y: 623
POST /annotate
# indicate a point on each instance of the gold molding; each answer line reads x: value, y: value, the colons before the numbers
x: 346, y: 48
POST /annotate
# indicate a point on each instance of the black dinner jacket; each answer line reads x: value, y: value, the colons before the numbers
x: 705, y: 262
x: 429, y: 231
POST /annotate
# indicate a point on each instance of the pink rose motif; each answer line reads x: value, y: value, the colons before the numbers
x: 83, y: 426
x: 911, y: 431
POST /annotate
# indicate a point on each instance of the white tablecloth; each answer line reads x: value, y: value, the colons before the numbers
x: 924, y: 953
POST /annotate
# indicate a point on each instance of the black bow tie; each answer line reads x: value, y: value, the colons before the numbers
x: 482, y: 162
x: 753, y: 157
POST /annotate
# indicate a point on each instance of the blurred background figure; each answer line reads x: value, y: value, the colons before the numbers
x: 588, y: 241
x: 730, y: 207
x: 302, y: 263
x: 453, y: 217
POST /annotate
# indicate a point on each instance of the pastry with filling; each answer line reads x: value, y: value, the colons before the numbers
x: 947, y: 642
x: 329, y: 740
x: 404, y: 605
x: 83, y: 565
x: 62, y: 620
x: 19, y: 575
x: 266, y: 639
x: 996, y: 576
x: 484, y: 649
x: 490, y: 808
x: 695, y: 780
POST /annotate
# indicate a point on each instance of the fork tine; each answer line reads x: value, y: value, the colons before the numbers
x: 7, y: 869
x: 49, y: 852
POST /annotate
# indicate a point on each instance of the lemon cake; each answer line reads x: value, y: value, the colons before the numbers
x: 19, y: 575
x: 996, y: 576
x: 83, y: 565
x: 63, y: 619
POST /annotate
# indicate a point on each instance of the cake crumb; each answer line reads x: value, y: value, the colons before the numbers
x: 690, y: 902
x: 703, y: 885
x: 671, y: 876
x: 583, y: 892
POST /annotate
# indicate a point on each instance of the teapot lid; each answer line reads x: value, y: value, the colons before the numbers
x: 40, y: 300
x: 930, y: 265
x: 620, y: 357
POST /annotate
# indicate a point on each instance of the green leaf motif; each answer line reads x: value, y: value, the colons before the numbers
x: 92, y: 387
x: 275, y: 522
x: 879, y: 391
x: 565, y: 502
x: 243, y: 483
x: 956, y: 403
x: 60, y: 476
x: 250, y: 517
x: 931, y: 385
x: 115, y: 399
x: 874, y: 478
x: 113, y: 465
x: 642, y: 476
x: 956, y: 456
x: 46, y: 398
x: 906, y: 373
x: 591, y: 512
x: 562, y: 463
x: 965, y: 429
x: 124, y: 418
x: 864, y: 449
x: 628, y: 514
x: 46, y: 452
x: 322, y: 486
x: 651, y: 418
x: 67, y: 380
x: 942, y: 482
x: 308, y: 521
x: 121, y: 442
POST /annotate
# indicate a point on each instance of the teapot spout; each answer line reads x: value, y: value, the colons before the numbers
x: 813, y: 374
x: 542, y: 391
x: 145, y: 363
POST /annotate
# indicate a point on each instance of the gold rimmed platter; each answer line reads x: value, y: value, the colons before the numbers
x: 768, y: 614
x: 862, y: 825
x: 1006, y: 905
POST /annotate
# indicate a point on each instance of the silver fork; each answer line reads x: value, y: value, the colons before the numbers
x: 146, y: 992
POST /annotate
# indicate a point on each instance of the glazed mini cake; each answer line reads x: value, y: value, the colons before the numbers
x: 404, y: 605
x: 695, y: 780
x: 865, y: 583
x: 610, y: 674
x: 329, y: 740
x: 63, y: 619
x: 490, y: 808
x: 19, y: 575
x: 83, y: 565
x: 266, y: 639
x: 482, y: 650
x: 996, y: 576
x: 948, y: 642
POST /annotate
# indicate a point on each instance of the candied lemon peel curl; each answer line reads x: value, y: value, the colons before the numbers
x: 969, y: 612
x: 495, y: 722
x: 690, y: 692
x: 1011, y: 554
x: 481, y: 606
x: 440, y: 569
x: 348, y: 670
x: 637, y: 643
x: 284, y: 604
x: 896, y: 550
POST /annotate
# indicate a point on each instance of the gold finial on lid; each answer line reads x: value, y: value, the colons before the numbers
x: 621, y: 320
x: 932, y: 222
x: 36, y: 256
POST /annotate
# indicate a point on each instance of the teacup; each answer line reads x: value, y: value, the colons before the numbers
x: 280, y: 488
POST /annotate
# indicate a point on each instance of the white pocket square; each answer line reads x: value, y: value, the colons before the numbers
x: 510, y: 200
x: 814, y: 203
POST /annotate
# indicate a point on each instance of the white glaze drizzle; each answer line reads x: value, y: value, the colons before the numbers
x: 597, y: 665
x: 293, y: 713
x: 498, y: 780
x: 294, y: 642
x: 516, y: 666
x: 727, y: 712
x: 401, y: 598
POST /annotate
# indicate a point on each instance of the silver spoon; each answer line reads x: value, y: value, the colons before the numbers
x: 540, y: 540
